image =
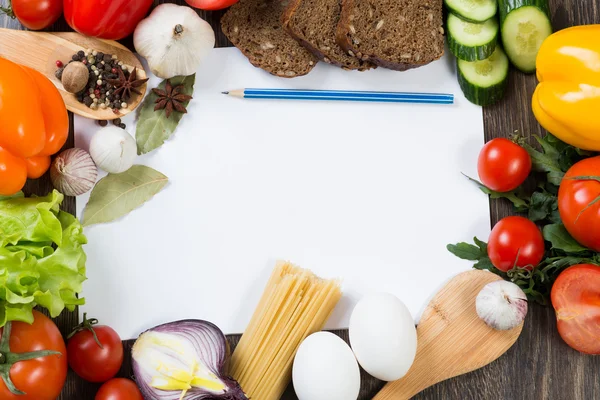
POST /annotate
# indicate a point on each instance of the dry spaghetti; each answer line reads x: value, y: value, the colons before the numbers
x: 295, y: 304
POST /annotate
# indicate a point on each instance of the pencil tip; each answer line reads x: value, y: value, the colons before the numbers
x: 224, y: 92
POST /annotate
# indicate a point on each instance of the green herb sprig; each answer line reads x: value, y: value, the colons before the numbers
x: 540, y: 206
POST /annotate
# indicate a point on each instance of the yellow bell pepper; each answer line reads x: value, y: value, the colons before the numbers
x: 566, y: 102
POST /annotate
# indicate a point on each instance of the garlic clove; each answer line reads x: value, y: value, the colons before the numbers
x: 501, y: 305
x: 73, y: 172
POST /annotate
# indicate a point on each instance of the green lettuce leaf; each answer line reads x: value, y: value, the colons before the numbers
x: 42, y: 261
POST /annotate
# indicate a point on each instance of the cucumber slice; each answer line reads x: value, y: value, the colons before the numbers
x: 469, y: 41
x: 525, y: 25
x: 483, y: 82
x: 472, y: 10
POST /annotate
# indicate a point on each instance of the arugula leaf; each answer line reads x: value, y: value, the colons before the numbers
x: 465, y: 251
x: 546, y: 161
x: 513, y: 197
x: 543, y: 205
x: 560, y: 239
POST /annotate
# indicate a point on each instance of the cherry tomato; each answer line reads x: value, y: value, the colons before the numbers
x: 13, y: 173
x: 575, y: 203
x: 575, y: 297
x: 37, y: 166
x: 211, y: 4
x: 119, y: 389
x: 37, y: 14
x: 41, y: 378
x: 87, y: 358
x: 503, y: 165
x: 514, y: 236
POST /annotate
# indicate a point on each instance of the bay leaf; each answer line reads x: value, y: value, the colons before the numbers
x: 116, y: 195
x: 153, y: 127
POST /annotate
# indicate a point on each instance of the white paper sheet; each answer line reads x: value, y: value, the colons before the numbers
x: 370, y: 193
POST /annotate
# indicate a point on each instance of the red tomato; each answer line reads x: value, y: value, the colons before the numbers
x: 90, y: 361
x: 575, y: 197
x: 514, y: 236
x: 107, y: 19
x: 211, y: 4
x: 503, y: 165
x: 37, y: 14
x: 576, y: 299
x: 119, y: 389
x: 41, y: 378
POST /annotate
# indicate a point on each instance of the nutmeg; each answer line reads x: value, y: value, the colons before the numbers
x: 75, y: 77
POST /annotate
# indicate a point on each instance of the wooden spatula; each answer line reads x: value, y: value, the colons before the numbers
x: 452, y: 340
x: 40, y: 50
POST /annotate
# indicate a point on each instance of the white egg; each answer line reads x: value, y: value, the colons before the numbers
x: 325, y: 369
x: 383, y: 336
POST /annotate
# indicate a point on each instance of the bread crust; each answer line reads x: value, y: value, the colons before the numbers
x: 327, y: 58
x: 344, y: 40
x: 264, y: 58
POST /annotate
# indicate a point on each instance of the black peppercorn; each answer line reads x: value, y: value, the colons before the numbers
x: 87, y: 100
x: 101, y: 54
x: 122, y: 126
x: 58, y: 73
x: 102, y: 90
x: 107, y: 58
x: 102, y: 122
x: 81, y: 54
x: 75, y: 57
x: 117, y: 121
x: 117, y: 97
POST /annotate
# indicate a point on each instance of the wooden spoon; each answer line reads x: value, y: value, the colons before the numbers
x: 452, y: 340
x: 40, y: 50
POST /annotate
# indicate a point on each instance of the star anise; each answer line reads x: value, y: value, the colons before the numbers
x: 124, y: 86
x: 171, y: 99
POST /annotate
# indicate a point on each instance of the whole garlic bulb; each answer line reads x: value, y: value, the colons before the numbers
x: 73, y: 172
x: 501, y: 305
x: 174, y: 40
x: 113, y: 149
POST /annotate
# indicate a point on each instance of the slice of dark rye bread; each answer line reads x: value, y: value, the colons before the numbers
x: 395, y: 34
x: 254, y: 27
x: 313, y: 23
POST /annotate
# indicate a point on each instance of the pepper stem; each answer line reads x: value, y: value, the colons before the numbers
x: 178, y: 30
x: 8, y: 359
x: 87, y: 324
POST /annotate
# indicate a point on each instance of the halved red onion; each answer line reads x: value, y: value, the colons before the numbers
x: 184, y: 360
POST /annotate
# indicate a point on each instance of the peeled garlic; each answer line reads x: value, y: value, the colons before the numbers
x: 501, y: 305
x: 113, y: 149
x: 174, y: 40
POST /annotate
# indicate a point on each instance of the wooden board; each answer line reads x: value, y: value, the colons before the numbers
x: 40, y: 50
x: 452, y: 340
x: 540, y: 366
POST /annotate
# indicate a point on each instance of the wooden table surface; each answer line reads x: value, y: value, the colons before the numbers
x: 540, y: 365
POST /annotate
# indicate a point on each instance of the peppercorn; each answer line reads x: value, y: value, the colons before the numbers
x: 59, y: 64
x: 107, y: 58
x: 122, y: 126
x: 87, y: 100
x: 116, y: 121
x: 81, y: 54
x: 59, y: 72
x: 102, y: 122
x: 115, y: 110
x: 75, y: 57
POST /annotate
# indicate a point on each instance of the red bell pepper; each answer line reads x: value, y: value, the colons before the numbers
x: 106, y: 19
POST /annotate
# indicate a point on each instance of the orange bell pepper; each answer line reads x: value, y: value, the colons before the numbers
x: 567, y: 100
x: 34, y: 125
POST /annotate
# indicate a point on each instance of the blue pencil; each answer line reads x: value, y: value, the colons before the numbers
x: 343, y: 95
